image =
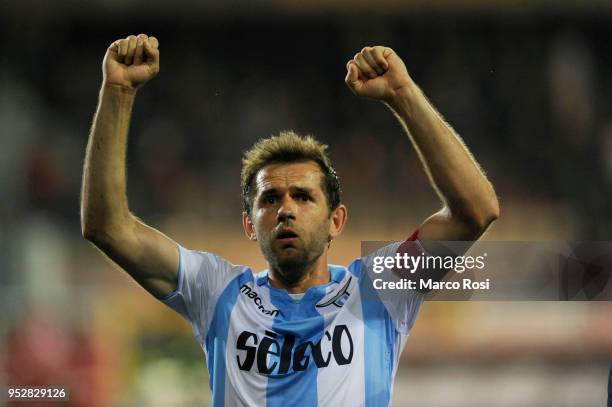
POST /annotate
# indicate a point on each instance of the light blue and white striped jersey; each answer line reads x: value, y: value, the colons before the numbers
x: 334, y: 347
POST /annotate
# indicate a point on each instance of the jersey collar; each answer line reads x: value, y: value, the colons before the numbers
x: 337, y: 273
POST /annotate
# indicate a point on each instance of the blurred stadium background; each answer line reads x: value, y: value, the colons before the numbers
x: 526, y: 83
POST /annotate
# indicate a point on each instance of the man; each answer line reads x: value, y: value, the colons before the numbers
x: 299, y: 333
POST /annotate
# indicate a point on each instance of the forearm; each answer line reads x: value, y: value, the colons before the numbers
x: 104, y: 200
x: 452, y: 170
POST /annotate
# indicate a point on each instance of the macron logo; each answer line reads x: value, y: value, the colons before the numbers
x: 246, y: 290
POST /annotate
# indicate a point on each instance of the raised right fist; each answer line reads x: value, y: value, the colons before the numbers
x: 131, y: 62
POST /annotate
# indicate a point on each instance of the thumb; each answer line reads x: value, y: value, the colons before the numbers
x: 352, y: 76
x: 112, y: 54
x: 113, y: 50
x: 151, y: 51
x: 114, y: 46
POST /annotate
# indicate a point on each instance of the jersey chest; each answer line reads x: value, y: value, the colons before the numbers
x: 273, y: 336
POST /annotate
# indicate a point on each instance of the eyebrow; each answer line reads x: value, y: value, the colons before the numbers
x: 303, y: 190
x: 269, y: 191
x: 272, y: 191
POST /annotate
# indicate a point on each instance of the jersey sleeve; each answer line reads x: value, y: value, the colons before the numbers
x: 201, y: 275
x: 402, y: 305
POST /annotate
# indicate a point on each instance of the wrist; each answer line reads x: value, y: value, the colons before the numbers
x: 402, y: 95
x: 117, y: 98
x: 119, y: 90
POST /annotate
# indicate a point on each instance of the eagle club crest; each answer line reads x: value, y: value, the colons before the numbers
x: 340, y: 298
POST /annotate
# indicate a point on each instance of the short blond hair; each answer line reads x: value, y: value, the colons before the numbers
x: 288, y: 147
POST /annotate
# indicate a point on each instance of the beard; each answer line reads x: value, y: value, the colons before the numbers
x: 291, y: 261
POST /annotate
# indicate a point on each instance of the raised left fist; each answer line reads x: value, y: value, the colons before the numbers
x: 377, y: 73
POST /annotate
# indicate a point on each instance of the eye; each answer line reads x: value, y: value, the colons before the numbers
x: 304, y: 197
x: 270, y: 199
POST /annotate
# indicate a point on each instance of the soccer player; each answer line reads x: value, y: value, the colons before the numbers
x: 300, y: 332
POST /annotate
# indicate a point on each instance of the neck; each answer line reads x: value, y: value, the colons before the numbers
x: 316, y: 273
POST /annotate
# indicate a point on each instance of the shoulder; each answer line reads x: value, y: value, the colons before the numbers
x: 203, y: 260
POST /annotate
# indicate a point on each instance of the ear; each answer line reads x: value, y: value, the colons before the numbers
x: 339, y: 217
x: 249, y: 228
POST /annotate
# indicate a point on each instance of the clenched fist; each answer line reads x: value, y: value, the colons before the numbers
x: 131, y: 62
x: 377, y: 73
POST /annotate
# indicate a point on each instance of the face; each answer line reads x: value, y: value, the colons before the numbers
x: 290, y: 217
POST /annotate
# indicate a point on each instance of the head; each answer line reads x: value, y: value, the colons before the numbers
x: 291, y: 202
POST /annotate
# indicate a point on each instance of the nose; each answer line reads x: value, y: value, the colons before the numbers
x: 287, y: 209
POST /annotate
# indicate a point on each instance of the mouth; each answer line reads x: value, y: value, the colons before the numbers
x: 287, y: 236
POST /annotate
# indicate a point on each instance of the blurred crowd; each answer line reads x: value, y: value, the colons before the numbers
x: 528, y: 97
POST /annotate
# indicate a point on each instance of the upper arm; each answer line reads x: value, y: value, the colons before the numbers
x: 146, y: 254
x: 444, y: 226
x: 401, y: 305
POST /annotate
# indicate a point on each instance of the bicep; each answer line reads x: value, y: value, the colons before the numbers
x: 439, y: 235
x: 146, y: 254
x: 442, y: 226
